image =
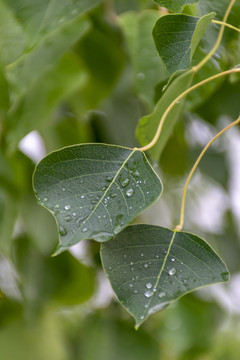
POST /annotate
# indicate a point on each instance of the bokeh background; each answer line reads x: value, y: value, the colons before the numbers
x: 76, y: 71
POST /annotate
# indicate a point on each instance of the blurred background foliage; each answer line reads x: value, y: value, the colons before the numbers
x: 74, y: 71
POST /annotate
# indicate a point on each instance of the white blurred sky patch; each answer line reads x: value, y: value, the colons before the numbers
x: 33, y: 146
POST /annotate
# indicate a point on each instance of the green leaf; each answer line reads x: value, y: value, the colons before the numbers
x: 149, y: 267
x: 31, y: 66
x: 41, y: 17
x: 43, y: 96
x: 95, y: 190
x: 176, y: 38
x: 103, y: 336
x: 61, y: 280
x: 148, y: 67
x: 220, y: 7
x: 148, y: 124
x: 175, y: 5
x: 12, y: 39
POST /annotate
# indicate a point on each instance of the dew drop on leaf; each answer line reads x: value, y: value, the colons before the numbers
x: 62, y: 231
x: 148, y: 293
x: 67, y: 218
x: 172, y: 271
x: 129, y: 192
x: 162, y: 294
x: 67, y: 207
x: 85, y: 229
x: 140, y: 76
x: 124, y: 182
x: 148, y: 285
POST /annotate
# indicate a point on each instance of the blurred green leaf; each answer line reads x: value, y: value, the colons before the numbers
x: 224, y: 101
x: 94, y: 190
x: 148, y: 124
x: 62, y: 280
x: 175, y: 5
x: 103, y: 338
x: 12, y: 39
x: 40, y: 341
x: 176, y: 38
x: 149, y: 267
x: 103, y: 54
x: 43, y: 96
x: 220, y: 7
x: 148, y: 68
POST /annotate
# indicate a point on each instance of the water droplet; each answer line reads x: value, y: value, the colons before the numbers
x: 74, y: 214
x: 172, y: 271
x: 63, y: 189
x: 142, y: 254
x: 57, y: 206
x: 157, y: 256
x: 82, y: 196
x: 148, y: 293
x: 62, y: 231
x: 124, y: 182
x: 172, y: 259
x: 225, y: 276
x: 67, y: 218
x: 125, y: 255
x: 179, y: 101
x: 129, y: 192
x: 148, y: 285
x: 140, y: 76
x: 162, y: 294
x: 85, y: 229
x: 135, y: 292
x: 164, y: 87
x: 136, y: 173
x: 146, y: 265
x: 45, y: 199
x: 130, y: 285
x: 131, y: 263
x: 109, y: 178
x: 110, y: 268
x: 236, y: 66
x: 142, y: 317
x: 67, y: 207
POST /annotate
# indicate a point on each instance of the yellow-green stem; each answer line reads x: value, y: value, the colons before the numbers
x: 178, y: 99
x: 180, y: 225
x: 226, y: 25
x: 219, y: 39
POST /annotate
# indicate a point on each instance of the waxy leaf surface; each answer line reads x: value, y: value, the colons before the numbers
x: 176, y: 38
x: 149, y: 267
x: 95, y: 190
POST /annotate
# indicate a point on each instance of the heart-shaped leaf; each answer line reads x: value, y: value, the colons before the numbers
x: 175, y: 5
x: 95, y: 190
x: 176, y: 38
x: 149, y: 267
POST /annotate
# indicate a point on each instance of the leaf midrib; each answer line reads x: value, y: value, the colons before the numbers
x: 105, y: 192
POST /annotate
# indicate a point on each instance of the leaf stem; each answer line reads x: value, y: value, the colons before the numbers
x: 177, y: 100
x: 219, y: 39
x: 180, y: 225
x: 226, y: 24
